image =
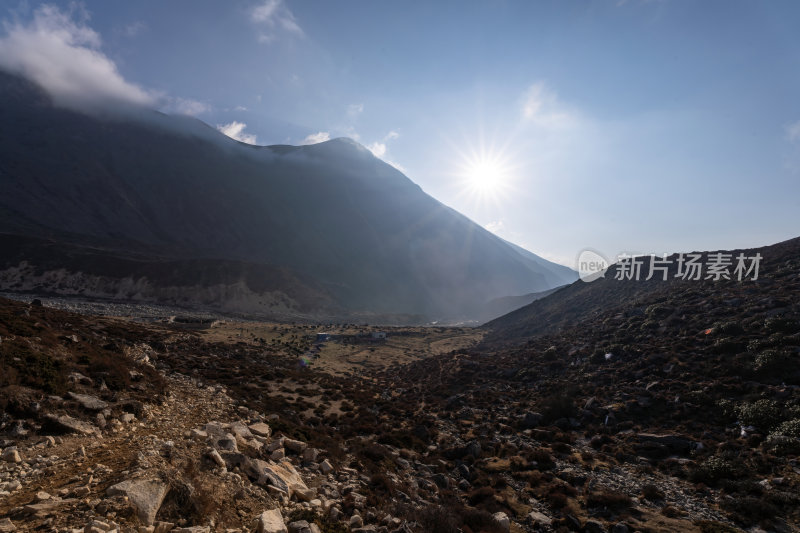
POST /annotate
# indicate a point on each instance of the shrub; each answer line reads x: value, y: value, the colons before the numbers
x: 750, y: 510
x: 658, y: 312
x: 728, y: 328
x: 779, y: 324
x: 771, y: 360
x: 558, y: 406
x: 713, y: 469
x: 761, y: 413
x: 790, y: 428
x: 607, y: 498
x: 782, y: 445
x: 652, y: 492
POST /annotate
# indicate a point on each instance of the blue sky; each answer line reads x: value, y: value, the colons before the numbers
x: 623, y: 126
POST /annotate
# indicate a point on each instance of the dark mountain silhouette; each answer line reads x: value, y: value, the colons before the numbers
x: 146, y: 187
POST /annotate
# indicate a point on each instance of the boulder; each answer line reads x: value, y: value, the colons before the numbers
x: 261, y: 429
x: 146, y: 495
x: 90, y: 403
x: 271, y: 522
x: 539, y: 519
x: 11, y: 455
x: 67, y: 424
x: 531, y: 420
x: 502, y: 519
x: 653, y: 445
x: 295, y: 446
x: 325, y: 467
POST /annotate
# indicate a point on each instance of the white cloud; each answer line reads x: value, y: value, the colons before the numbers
x: 541, y: 106
x: 353, y: 110
x: 315, y: 138
x: 63, y: 56
x: 235, y: 130
x: 240, y: 108
x: 496, y: 227
x: 135, y: 28
x: 273, y: 16
x: 793, y: 132
x: 186, y: 106
x: 378, y: 149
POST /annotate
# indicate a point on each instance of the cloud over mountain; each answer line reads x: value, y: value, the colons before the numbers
x: 59, y: 51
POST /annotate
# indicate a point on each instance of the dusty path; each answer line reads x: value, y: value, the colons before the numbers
x: 79, y: 468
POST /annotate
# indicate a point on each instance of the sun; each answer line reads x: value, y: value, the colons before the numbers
x: 485, y: 175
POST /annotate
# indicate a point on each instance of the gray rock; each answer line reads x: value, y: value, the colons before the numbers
x: 241, y: 430
x: 325, y: 467
x: 277, y: 455
x: 295, y: 446
x: 146, y: 495
x: 90, y: 403
x: 11, y: 455
x: 502, y: 519
x: 311, y: 455
x: 539, y: 519
x: 271, y: 522
x: 300, y: 526
x: 261, y: 429
x: 68, y: 424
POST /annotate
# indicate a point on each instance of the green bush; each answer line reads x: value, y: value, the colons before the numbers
x: 728, y: 328
x: 771, y: 360
x: 790, y: 428
x: 782, y: 445
x: 714, y: 469
x: 761, y: 413
x: 779, y: 324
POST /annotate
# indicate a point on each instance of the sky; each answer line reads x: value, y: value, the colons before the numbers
x: 631, y: 126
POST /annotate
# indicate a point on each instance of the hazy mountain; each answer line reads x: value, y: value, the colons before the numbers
x: 156, y: 189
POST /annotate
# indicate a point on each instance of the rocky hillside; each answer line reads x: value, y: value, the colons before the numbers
x: 331, y: 216
x: 677, y: 410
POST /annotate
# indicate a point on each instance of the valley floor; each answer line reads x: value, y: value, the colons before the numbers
x: 213, y: 425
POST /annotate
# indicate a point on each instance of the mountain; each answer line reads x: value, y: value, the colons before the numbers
x: 157, y: 194
x: 583, y: 303
x: 507, y: 304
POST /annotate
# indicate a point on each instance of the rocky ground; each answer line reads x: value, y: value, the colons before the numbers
x: 676, y: 411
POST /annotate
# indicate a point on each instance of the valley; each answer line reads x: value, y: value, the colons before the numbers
x: 667, y: 412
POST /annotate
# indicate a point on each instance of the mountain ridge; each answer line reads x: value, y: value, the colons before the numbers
x: 365, y: 232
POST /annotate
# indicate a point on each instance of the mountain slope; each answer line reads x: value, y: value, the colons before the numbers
x: 581, y: 302
x: 174, y: 188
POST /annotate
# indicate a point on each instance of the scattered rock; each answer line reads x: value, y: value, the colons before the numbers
x: 145, y: 494
x: 90, y: 403
x: 271, y: 521
x: 67, y: 424
x: 11, y: 455
x: 261, y: 429
x: 502, y: 519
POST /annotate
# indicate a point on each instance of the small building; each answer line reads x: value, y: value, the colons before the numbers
x: 323, y: 337
x: 378, y: 335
